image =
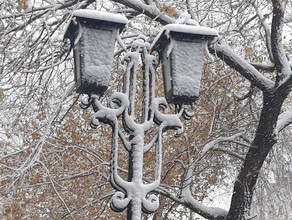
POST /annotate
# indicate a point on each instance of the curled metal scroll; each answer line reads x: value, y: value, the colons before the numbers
x: 150, y: 204
x: 119, y: 202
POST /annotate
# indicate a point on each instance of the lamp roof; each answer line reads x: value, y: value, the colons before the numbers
x: 94, y: 17
x: 184, y: 29
x: 100, y: 15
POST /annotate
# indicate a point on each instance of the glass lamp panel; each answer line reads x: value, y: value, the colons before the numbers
x: 167, y: 78
x: 187, y: 62
x: 96, y: 58
x: 77, y: 67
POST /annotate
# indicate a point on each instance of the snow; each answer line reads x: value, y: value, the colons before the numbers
x: 100, y: 15
x: 151, y: 203
x: 183, y: 28
x: 212, y: 144
x: 185, y: 55
x: 251, y: 72
x: 284, y: 119
x: 119, y: 202
x: 120, y: 42
x: 97, y: 56
x: 185, y: 78
x: 79, y: 35
x: 167, y: 121
x: 183, y: 18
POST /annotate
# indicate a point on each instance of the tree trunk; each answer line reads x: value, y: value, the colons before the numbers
x: 263, y: 142
x: 244, y: 185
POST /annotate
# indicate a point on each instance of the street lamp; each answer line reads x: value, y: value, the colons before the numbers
x: 182, y: 48
x: 93, y: 34
x: 92, y: 67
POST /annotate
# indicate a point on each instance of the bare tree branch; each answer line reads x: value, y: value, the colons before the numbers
x: 55, y: 189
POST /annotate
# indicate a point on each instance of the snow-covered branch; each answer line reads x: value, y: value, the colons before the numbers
x: 43, y: 11
x: 55, y: 189
x: 34, y: 156
x: 284, y: 120
x: 213, y: 144
x: 281, y: 62
x: 264, y: 66
x: 223, y: 51
x: 266, y: 27
x: 150, y: 10
x: 188, y: 178
x: 77, y: 210
x: 230, y: 152
x: 194, y: 205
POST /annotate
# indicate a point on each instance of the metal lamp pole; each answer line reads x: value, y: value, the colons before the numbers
x: 181, y: 46
x: 133, y: 193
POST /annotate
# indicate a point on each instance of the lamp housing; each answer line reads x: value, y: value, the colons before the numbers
x: 93, y: 35
x: 181, y: 48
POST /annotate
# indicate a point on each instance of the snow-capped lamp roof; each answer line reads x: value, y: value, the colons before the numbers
x: 93, y: 17
x: 100, y: 15
x: 198, y: 32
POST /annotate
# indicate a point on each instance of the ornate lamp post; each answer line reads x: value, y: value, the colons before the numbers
x: 133, y: 194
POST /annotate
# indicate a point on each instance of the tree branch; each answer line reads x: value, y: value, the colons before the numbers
x: 281, y: 62
x: 46, y: 9
x: 264, y: 140
x: 212, y: 145
x: 223, y: 51
x: 230, y: 152
x: 284, y: 120
x: 264, y: 66
x: 150, y: 10
x: 263, y: 21
x: 195, y: 206
x: 56, y: 191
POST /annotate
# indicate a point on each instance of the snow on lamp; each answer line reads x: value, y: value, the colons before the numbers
x: 92, y: 35
x: 181, y: 48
